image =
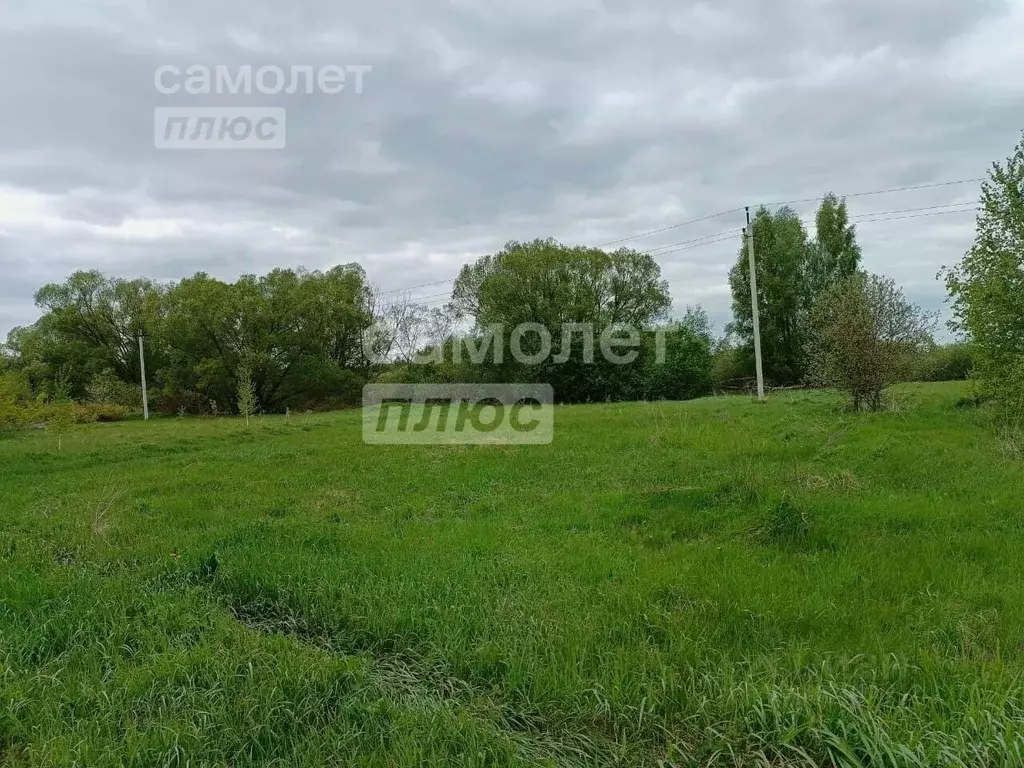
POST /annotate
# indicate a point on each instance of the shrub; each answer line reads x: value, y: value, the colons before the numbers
x: 40, y: 412
x: 17, y: 406
x: 90, y: 412
x: 865, y: 337
x: 686, y: 371
x: 409, y: 373
x: 730, y: 368
x: 680, y: 370
x: 950, y: 362
x: 106, y: 388
x: 59, y: 418
x: 171, y: 401
x: 15, y: 387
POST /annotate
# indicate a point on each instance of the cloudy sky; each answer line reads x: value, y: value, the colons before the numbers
x: 484, y: 121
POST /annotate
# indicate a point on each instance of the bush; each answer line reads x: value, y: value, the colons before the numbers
x: 865, y: 337
x: 950, y: 362
x: 247, y: 400
x: 15, y: 387
x: 408, y: 373
x: 90, y: 412
x: 106, y: 388
x: 40, y: 412
x: 730, y: 368
x: 170, y: 401
x: 683, y: 373
x: 686, y: 371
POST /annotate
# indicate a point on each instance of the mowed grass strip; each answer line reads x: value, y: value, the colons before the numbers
x: 718, y: 582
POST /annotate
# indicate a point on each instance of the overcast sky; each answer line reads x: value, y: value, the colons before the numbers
x: 484, y: 121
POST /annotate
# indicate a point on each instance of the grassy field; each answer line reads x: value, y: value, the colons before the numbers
x: 717, y: 582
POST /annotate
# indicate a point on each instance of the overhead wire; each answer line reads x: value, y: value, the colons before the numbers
x: 866, y: 218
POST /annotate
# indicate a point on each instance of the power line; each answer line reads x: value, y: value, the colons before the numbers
x: 876, y: 192
x: 414, y: 287
x: 727, y: 236
x: 899, y: 218
x: 720, y: 239
x: 674, y: 226
x: 660, y: 250
x: 794, y: 202
x: 712, y: 239
x: 972, y: 209
x: 432, y: 296
x: 915, y: 210
x: 422, y: 299
x: 654, y: 251
x: 686, y: 245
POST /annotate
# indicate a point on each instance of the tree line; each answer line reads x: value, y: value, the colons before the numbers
x: 296, y: 334
x: 298, y: 339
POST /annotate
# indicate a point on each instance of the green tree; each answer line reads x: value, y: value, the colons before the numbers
x: 834, y: 255
x: 302, y: 332
x: 246, y: 399
x: 198, y: 340
x: 686, y: 371
x: 987, y: 287
x: 792, y: 273
x: 90, y: 324
x: 46, y: 356
x: 867, y: 336
x: 61, y: 417
x: 549, y: 283
x: 781, y: 251
x: 552, y: 285
x: 299, y: 331
x: 105, y: 314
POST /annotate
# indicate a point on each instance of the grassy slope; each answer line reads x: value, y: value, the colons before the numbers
x: 640, y: 590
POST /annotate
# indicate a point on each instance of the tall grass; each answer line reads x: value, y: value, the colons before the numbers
x: 709, y: 583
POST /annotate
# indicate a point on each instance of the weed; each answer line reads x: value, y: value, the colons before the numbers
x: 784, y: 523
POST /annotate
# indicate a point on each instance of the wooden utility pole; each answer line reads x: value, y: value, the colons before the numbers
x: 755, y: 313
x: 142, y: 365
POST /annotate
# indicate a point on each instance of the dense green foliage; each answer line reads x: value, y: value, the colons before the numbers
x: 834, y: 254
x: 20, y: 407
x: 713, y: 583
x: 988, y: 285
x: 551, y: 284
x: 575, y: 295
x: 781, y: 249
x: 300, y: 334
x: 792, y: 272
x: 947, y: 362
x: 298, y: 337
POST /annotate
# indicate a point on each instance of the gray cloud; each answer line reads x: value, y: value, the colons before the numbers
x: 482, y: 122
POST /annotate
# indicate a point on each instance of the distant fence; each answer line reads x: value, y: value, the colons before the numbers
x: 748, y: 386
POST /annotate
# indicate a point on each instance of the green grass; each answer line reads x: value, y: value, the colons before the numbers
x: 709, y: 583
